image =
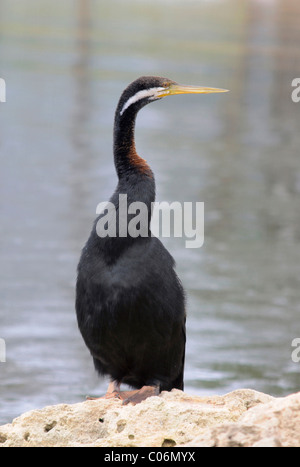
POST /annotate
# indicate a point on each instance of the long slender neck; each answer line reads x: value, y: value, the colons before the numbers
x: 136, y: 181
x: 127, y: 161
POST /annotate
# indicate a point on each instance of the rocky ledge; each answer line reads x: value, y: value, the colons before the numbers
x: 242, y: 418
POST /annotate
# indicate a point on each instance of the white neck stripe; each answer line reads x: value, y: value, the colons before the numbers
x: 151, y: 93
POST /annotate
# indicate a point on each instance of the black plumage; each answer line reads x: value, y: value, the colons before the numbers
x: 130, y: 303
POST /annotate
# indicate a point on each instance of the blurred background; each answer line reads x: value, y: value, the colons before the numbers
x: 65, y: 65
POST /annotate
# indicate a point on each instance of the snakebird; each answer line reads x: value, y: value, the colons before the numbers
x: 130, y: 304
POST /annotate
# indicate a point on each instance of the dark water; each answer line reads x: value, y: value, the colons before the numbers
x: 65, y: 64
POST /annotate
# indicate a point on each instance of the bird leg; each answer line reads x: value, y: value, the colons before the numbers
x: 140, y: 395
x: 128, y: 397
x: 113, y: 391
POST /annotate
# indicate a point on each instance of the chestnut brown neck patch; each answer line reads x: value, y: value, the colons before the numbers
x: 138, y: 162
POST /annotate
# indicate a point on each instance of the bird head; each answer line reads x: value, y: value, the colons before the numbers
x: 151, y: 88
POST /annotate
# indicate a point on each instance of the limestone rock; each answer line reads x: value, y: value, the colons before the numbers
x: 273, y: 424
x: 240, y: 418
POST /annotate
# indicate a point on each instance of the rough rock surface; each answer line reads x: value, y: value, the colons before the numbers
x: 240, y: 418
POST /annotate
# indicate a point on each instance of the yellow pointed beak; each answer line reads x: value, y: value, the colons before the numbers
x: 182, y: 89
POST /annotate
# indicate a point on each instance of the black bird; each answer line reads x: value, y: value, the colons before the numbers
x: 130, y: 303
